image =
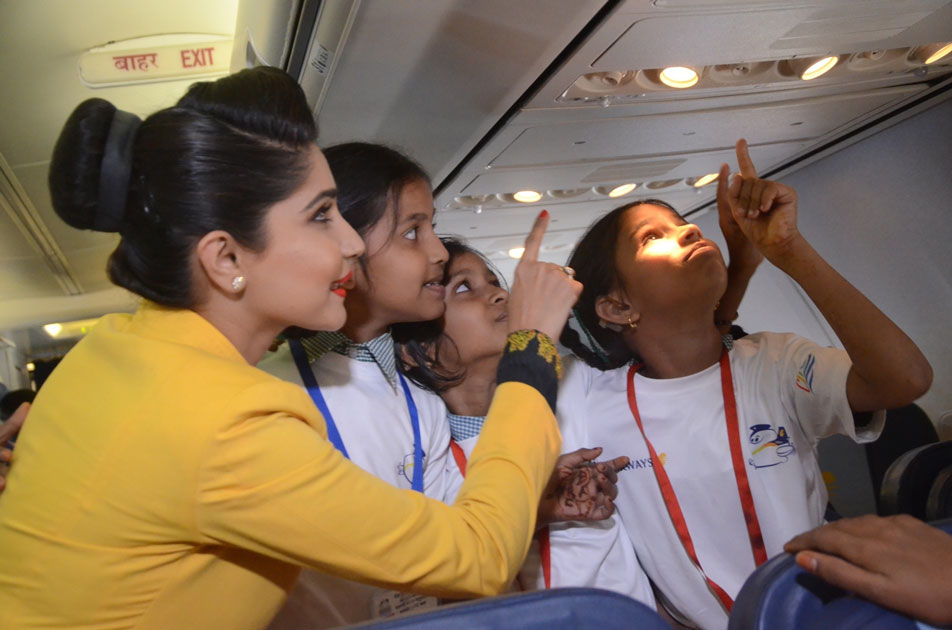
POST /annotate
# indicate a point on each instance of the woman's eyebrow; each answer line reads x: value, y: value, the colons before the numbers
x: 330, y: 193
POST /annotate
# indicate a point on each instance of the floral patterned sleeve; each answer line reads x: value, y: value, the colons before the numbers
x: 532, y: 358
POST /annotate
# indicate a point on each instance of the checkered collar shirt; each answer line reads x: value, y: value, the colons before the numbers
x: 464, y: 427
x: 378, y: 350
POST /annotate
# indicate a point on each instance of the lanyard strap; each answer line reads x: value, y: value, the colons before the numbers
x: 543, y: 534
x: 310, y: 383
x: 740, y: 474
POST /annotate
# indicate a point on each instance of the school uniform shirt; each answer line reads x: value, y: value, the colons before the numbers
x: 360, y: 386
x: 598, y: 554
x: 162, y: 482
x: 790, y: 393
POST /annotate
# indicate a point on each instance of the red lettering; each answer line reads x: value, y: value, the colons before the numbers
x: 194, y: 57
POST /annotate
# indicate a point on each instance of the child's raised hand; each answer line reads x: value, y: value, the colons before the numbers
x: 741, y: 250
x: 766, y: 211
x: 542, y: 293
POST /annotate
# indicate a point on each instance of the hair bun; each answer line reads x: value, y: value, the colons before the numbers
x: 91, y: 164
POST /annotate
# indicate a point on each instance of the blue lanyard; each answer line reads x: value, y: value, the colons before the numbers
x: 310, y: 383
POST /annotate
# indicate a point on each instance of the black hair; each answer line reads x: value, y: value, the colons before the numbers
x: 594, y: 263
x: 217, y: 160
x: 369, y: 176
x: 10, y: 401
x: 420, y: 345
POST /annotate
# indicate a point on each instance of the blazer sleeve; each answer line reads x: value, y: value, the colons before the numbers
x: 272, y: 484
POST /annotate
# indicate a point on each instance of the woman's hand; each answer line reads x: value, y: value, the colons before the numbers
x: 8, y: 431
x: 898, y: 562
x: 766, y: 211
x: 542, y: 293
x: 580, y: 489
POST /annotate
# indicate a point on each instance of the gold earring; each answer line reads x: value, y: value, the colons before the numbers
x: 631, y: 324
x: 238, y: 283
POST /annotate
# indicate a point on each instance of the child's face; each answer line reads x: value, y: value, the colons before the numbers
x: 476, y: 316
x: 405, y: 261
x: 665, y: 262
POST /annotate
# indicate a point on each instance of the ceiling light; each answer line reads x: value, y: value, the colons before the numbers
x: 704, y: 181
x: 678, y: 77
x: 815, y: 67
x: 516, y: 252
x: 31, y: 367
x: 65, y: 330
x: 620, y: 191
x: 932, y: 53
x: 527, y: 196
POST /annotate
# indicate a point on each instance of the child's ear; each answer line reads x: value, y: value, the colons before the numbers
x: 220, y: 258
x: 615, y: 313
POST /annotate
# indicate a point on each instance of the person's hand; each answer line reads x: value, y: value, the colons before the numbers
x: 743, y: 253
x: 898, y: 562
x: 766, y: 211
x: 8, y: 430
x: 580, y: 489
x: 542, y: 293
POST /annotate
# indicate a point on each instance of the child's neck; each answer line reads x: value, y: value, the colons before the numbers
x: 362, y: 323
x: 672, y: 349
x: 474, y: 394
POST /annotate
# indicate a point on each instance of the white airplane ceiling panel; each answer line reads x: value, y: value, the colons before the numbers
x: 89, y: 267
x: 754, y: 33
x: 12, y: 244
x: 33, y: 178
x: 686, y: 132
x: 27, y: 278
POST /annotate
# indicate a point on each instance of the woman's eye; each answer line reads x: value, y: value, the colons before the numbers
x: 411, y: 234
x: 321, y: 215
x: 461, y: 287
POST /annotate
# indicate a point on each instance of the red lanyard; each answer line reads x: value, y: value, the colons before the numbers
x: 740, y: 474
x: 543, y: 534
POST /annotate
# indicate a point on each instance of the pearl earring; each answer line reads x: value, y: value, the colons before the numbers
x: 238, y: 283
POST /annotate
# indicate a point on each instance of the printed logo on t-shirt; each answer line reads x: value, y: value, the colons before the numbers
x: 405, y: 468
x: 645, y: 462
x: 805, y: 375
x: 771, y: 446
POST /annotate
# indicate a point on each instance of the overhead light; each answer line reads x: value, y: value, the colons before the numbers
x: 932, y: 53
x: 516, y: 252
x: 66, y: 330
x: 620, y: 191
x: 527, y: 196
x: 707, y: 179
x: 30, y: 367
x: 678, y: 77
x: 812, y: 67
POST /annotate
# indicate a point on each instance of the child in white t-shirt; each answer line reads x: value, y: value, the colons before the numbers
x: 721, y: 435
x: 374, y: 411
x: 458, y: 356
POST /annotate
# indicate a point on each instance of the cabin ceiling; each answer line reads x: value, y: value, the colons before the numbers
x: 490, y: 96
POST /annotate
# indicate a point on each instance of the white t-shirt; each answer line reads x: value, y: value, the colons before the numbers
x: 790, y: 393
x: 374, y: 425
x: 598, y: 555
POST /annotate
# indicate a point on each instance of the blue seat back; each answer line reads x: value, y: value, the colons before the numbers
x: 555, y: 609
x: 780, y: 595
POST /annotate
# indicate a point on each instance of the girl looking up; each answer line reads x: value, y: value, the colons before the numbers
x: 197, y: 483
x: 458, y: 356
x: 722, y: 436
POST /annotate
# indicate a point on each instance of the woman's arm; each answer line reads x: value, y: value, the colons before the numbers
x: 888, y: 368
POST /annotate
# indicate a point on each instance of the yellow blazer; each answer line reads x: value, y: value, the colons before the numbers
x: 162, y: 482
